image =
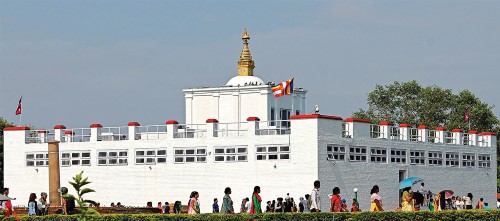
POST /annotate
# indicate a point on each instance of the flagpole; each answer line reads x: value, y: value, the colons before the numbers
x: 20, y: 115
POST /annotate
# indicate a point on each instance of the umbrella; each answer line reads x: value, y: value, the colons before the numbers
x: 4, y: 198
x: 409, y: 182
x: 448, y: 193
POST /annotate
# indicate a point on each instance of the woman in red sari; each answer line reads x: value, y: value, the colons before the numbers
x: 256, y: 200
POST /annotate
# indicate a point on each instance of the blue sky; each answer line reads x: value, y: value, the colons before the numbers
x: 111, y: 62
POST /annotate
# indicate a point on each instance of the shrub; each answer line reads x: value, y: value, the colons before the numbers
x: 366, y: 216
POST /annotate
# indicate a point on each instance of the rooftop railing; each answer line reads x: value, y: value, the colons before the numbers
x: 151, y: 132
x: 191, y: 131
x: 277, y: 127
x: 237, y: 129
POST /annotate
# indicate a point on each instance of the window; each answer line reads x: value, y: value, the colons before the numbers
x: 435, y: 158
x: 39, y: 159
x: 231, y: 154
x: 378, y: 155
x: 484, y: 161
x: 285, y: 116
x: 452, y: 159
x: 417, y: 157
x: 357, y: 154
x: 274, y: 152
x: 190, y: 155
x: 398, y: 156
x: 150, y: 156
x: 112, y: 158
x: 335, y: 152
x: 468, y: 160
x: 75, y: 158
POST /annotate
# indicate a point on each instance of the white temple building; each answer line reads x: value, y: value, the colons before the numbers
x: 240, y: 136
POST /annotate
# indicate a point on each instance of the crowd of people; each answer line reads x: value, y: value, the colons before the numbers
x: 409, y: 201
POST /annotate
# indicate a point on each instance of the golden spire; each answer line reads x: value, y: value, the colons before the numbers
x: 245, y: 64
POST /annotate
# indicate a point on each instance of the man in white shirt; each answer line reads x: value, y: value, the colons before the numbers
x: 316, y: 201
x: 247, y: 205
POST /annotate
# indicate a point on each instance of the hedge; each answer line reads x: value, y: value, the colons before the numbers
x: 365, y: 216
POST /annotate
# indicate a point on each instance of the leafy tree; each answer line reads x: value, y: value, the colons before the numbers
x: 409, y: 102
x: 3, y: 124
x: 78, y: 184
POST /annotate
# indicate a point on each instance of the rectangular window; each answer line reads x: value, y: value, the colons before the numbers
x: 452, y: 159
x: 150, y: 156
x: 378, y: 155
x: 67, y: 159
x: 231, y: 154
x: 398, y: 156
x: 468, y: 160
x: 417, y: 157
x: 357, y: 154
x: 275, y: 152
x: 335, y: 152
x: 112, y: 157
x: 273, y: 117
x: 484, y: 161
x: 435, y: 158
x: 191, y: 155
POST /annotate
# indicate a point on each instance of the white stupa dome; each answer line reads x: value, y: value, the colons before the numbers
x: 245, y: 80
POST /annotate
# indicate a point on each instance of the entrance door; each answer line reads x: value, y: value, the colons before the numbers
x: 402, y: 176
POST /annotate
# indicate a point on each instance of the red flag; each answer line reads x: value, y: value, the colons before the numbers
x: 467, y: 115
x: 18, y: 111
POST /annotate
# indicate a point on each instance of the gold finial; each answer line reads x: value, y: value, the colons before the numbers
x: 245, y: 35
x: 245, y: 64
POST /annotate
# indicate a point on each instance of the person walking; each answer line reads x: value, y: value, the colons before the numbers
x: 255, y: 207
x: 32, y: 205
x: 468, y: 201
x: 215, y: 206
x: 315, y: 198
x: 406, y: 200
x: 194, y: 204
x: 335, y: 205
x: 376, y: 200
x: 43, y: 205
x: 227, y: 202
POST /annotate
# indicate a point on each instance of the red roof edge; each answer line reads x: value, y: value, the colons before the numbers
x: 422, y: 127
x: 95, y: 126
x: 133, y: 123
x: 171, y: 122
x: 456, y: 130
x: 42, y: 131
x: 59, y: 126
x: 385, y: 123
x: 314, y: 116
x: 16, y: 128
x: 488, y: 133
x: 211, y: 120
x: 472, y: 132
x: 440, y: 129
x: 404, y: 125
x: 253, y: 119
x: 358, y: 120
x: 68, y: 132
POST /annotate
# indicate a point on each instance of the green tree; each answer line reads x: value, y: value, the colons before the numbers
x: 409, y: 102
x: 78, y: 184
x: 3, y: 124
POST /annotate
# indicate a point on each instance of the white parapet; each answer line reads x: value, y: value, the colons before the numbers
x: 439, y: 135
x: 253, y: 125
x: 423, y: 133
x: 472, y: 138
x: 58, y: 132
x: 95, y: 132
x: 358, y: 127
x: 385, y: 129
x: 456, y: 135
x: 132, y: 130
x: 212, y: 125
x: 404, y: 131
x: 172, y: 128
